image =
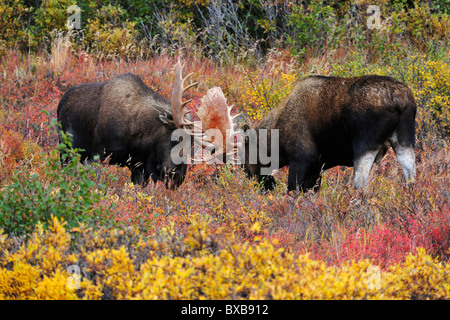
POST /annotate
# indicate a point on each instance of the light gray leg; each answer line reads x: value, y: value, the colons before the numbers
x: 406, y: 157
x: 362, y: 166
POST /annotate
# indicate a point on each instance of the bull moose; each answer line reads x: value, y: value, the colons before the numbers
x: 330, y: 121
x: 322, y: 123
x: 128, y: 122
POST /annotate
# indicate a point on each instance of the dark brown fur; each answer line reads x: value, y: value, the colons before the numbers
x: 126, y: 120
x: 330, y: 121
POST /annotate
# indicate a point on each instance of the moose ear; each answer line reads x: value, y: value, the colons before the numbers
x: 164, y: 116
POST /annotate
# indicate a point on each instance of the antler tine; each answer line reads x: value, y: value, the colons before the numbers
x: 207, y: 144
x: 190, y: 86
x: 216, y: 155
x: 232, y: 154
x: 236, y: 115
x: 179, y: 110
x: 198, y: 127
x: 185, y: 103
x: 221, y: 153
x: 235, y: 133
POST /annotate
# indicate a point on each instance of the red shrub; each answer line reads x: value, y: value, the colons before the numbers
x: 11, y: 144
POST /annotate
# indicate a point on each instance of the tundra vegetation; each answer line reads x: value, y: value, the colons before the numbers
x: 219, y: 235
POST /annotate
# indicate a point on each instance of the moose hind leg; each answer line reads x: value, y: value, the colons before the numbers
x: 406, y: 157
x: 362, y: 166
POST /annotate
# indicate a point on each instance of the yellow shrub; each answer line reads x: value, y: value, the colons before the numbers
x: 193, y: 269
x: 50, y: 15
x: 113, y: 41
x: 432, y: 91
x: 109, y: 33
x: 39, y: 268
x: 54, y: 287
x: 420, y: 277
x: 13, y: 16
x: 260, y: 93
x: 19, y: 281
x: 425, y: 27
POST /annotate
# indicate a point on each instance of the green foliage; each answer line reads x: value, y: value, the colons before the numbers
x: 312, y: 26
x: 111, y: 34
x: 70, y: 193
x: 13, y: 18
x: 50, y: 15
x: 427, y: 29
x: 226, y: 30
x: 437, y: 6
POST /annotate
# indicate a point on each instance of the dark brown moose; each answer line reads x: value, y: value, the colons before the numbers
x: 330, y: 121
x: 127, y: 121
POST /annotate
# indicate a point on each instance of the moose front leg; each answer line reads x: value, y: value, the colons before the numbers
x: 304, y: 174
x: 141, y: 173
x: 303, y: 177
x: 139, y: 176
x: 296, y: 178
x: 269, y: 182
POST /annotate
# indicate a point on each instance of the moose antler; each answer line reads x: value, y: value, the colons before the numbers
x: 214, y: 113
x: 179, y: 110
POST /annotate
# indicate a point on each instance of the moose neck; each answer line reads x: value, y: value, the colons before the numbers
x: 262, y: 154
